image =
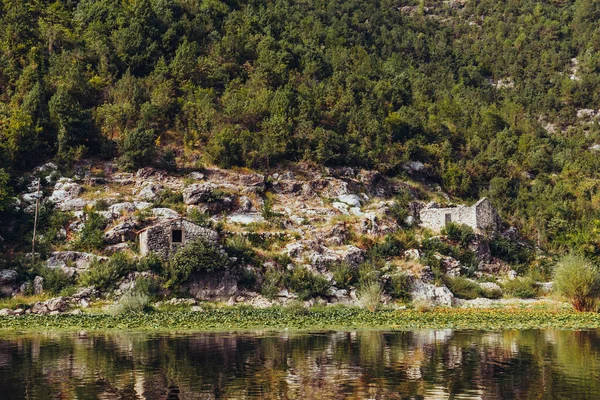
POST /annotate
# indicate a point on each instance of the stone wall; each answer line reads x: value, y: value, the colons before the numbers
x: 481, y: 217
x: 157, y: 238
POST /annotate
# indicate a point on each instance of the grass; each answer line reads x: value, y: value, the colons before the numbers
x: 20, y: 301
x: 317, y: 318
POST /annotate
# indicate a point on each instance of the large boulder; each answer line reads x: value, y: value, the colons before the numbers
x: 122, y: 232
x: 218, y: 285
x: 7, y: 276
x: 350, y: 199
x: 429, y: 293
x: 71, y: 262
x: 198, y: 193
x: 352, y: 255
x: 150, y: 192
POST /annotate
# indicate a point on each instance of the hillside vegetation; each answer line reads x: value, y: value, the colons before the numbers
x: 494, y: 98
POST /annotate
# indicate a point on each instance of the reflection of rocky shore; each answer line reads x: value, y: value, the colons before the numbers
x: 330, y: 365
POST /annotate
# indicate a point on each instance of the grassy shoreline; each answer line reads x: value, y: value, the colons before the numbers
x: 244, y: 319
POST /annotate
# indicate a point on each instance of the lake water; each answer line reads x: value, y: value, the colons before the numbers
x: 428, y: 364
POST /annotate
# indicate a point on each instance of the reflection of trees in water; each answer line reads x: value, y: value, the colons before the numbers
x: 332, y: 365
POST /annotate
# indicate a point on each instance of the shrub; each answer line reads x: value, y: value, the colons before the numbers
x: 305, y: 283
x: 240, y: 247
x: 399, y: 286
x: 459, y: 233
x: 101, y: 205
x: 197, y: 256
x: 463, y: 288
x: 103, y: 275
x: 510, y: 251
x: 132, y: 302
x: 267, y: 208
x: 391, y: 246
x: 55, y: 280
x: 344, y: 275
x: 579, y: 281
x: 148, y: 286
x: 368, y: 272
x: 247, y: 278
x: 370, y: 296
x: 199, y: 218
x: 151, y: 262
x: 523, y: 288
x: 171, y: 197
x: 138, y: 149
x: 91, y: 236
x: 272, y: 282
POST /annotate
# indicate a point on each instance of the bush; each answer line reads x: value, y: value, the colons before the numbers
x: 399, y: 286
x: 459, y: 233
x: 510, y: 251
x: 344, y: 275
x: 132, y: 302
x: 103, y: 275
x: 91, y: 236
x: 368, y: 272
x: 240, y: 247
x: 579, y: 281
x: 197, y: 256
x: 152, y: 262
x: 199, y: 218
x: 391, y: 246
x: 370, y: 296
x: 55, y: 280
x: 306, y: 284
x: 523, y: 288
x: 463, y: 288
x: 138, y: 149
x: 273, y: 280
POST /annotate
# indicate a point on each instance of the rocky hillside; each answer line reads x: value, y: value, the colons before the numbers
x: 334, y: 235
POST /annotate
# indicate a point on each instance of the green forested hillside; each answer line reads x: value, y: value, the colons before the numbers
x: 485, y: 93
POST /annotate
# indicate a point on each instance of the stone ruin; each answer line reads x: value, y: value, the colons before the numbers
x: 481, y: 217
x: 167, y: 236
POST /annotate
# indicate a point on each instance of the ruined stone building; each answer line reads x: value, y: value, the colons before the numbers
x: 481, y: 216
x: 167, y: 236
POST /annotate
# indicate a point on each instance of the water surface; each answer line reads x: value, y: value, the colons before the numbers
x: 428, y: 364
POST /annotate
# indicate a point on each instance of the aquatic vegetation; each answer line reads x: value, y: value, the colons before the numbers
x: 277, y: 318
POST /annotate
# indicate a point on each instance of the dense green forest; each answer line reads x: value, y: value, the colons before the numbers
x: 485, y: 93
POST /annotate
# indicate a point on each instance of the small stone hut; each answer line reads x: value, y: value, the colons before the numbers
x: 167, y: 236
x: 481, y: 216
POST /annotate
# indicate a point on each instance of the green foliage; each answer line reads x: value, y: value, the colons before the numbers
x: 104, y: 274
x: 344, y: 275
x: 392, y: 246
x: 138, y: 149
x: 91, y: 236
x: 510, y: 251
x: 370, y: 296
x: 5, y: 191
x: 240, y: 247
x: 579, y: 281
x: 267, y: 208
x: 306, y: 284
x: 399, y: 286
x: 200, y: 218
x: 523, y: 288
x: 255, y: 84
x: 132, y: 302
x: 463, y: 288
x: 197, y: 256
x: 55, y: 280
x: 273, y: 280
x: 460, y: 233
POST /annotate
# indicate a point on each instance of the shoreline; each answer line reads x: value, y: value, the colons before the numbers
x: 281, y: 319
